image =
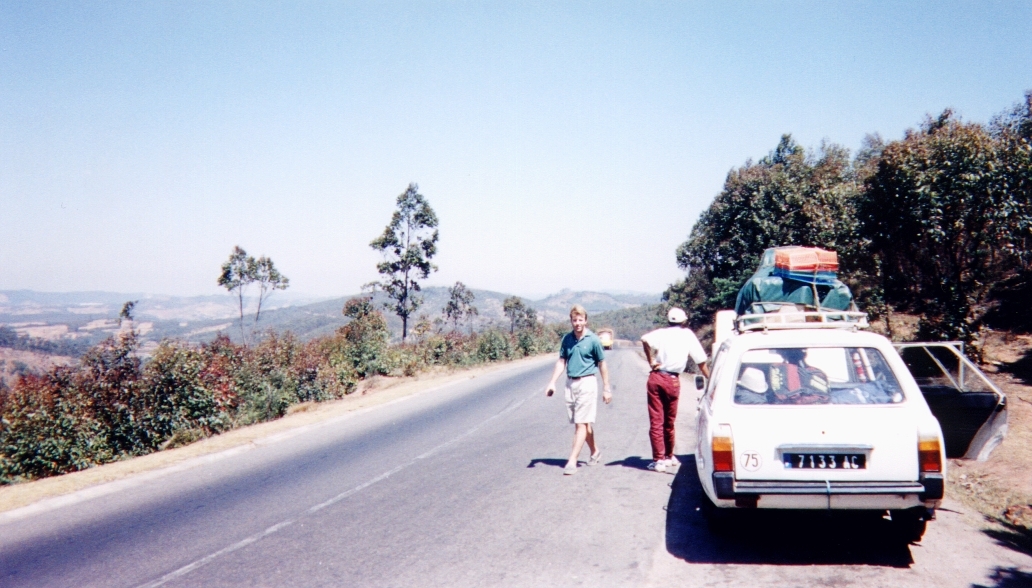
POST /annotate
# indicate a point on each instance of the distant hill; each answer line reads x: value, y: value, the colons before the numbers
x: 88, y: 317
x: 630, y: 323
x: 557, y: 306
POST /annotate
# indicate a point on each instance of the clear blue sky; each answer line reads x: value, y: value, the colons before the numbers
x: 562, y: 144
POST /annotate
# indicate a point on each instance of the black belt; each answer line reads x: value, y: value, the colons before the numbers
x: 581, y: 377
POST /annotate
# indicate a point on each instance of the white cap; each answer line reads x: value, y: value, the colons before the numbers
x: 753, y: 380
x: 676, y: 316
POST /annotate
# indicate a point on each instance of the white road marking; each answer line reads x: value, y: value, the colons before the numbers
x: 261, y: 535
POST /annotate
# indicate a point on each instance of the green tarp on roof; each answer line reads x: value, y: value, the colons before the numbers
x: 765, y: 287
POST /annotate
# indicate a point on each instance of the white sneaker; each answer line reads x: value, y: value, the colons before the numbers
x: 658, y: 466
x: 672, y: 462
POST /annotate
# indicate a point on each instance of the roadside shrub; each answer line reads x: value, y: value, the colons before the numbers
x: 367, y: 338
x: 187, y: 390
x: 108, y: 379
x: 494, y: 345
x: 45, y: 429
x: 113, y: 404
x: 263, y: 381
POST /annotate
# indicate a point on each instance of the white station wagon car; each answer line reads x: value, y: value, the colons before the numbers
x: 805, y: 410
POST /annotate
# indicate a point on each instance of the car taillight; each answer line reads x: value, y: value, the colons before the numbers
x: 723, y: 450
x: 928, y: 455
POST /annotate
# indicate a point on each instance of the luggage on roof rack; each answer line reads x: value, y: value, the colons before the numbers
x: 805, y: 264
x: 806, y: 276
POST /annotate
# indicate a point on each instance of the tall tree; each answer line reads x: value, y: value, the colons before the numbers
x: 513, y: 308
x: 408, y: 243
x: 241, y: 270
x: 787, y: 198
x: 528, y: 320
x: 460, y: 304
x: 237, y: 274
x: 940, y: 214
x: 269, y: 280
x: 520, y: 315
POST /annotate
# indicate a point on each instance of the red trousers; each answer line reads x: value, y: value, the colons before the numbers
x: 663, y: 392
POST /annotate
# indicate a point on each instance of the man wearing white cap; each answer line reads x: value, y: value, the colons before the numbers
x: 667, y: 350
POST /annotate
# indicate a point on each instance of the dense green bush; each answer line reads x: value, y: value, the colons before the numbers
x: 108, y: 380
x: 494, y: 345
x: 46, y: 429
x: 190, y: 389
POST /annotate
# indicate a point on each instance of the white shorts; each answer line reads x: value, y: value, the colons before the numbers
x: 582, y: 399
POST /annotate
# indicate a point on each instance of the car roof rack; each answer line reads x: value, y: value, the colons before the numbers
x: 789, y: 317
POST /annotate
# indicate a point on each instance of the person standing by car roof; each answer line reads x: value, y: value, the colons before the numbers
x: 667, y: 350
x: 582, y: 357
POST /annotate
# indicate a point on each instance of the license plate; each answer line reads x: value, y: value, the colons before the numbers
x: 825, y: 461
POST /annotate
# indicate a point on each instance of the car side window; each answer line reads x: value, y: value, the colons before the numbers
x: 718, y: 368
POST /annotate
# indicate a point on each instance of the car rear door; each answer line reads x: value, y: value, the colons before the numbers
x: 971, y: 409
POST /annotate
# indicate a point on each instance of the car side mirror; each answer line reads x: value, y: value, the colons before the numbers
x: 700, y: 382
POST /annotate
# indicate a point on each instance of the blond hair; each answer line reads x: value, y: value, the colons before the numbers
x: 578, y: 309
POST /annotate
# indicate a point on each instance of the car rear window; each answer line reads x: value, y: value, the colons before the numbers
x: 816, y: 375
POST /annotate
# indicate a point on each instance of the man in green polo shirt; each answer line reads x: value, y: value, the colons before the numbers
x: 582, y: 357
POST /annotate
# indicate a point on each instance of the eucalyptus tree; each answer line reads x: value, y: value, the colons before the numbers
x: 269, y: 279
x: 520, y: 315
x: 237, y: 274
x: 408, y: 243
x: 241, y: 270
x: 460, y: 305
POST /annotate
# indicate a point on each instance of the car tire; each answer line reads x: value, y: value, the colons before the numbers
x: 909, y: 525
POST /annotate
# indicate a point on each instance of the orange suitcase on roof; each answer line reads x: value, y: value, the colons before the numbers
x: 805, y: 259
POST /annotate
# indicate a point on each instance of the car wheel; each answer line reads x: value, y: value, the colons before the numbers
x: 909, y: 525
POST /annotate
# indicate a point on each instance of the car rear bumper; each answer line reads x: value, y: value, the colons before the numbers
x: 928, y: 491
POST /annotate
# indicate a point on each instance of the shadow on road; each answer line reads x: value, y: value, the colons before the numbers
x: 634, y: 462
x: 548, y: 461
x: 1007, y: 578
x: 1013, y: 537
x: 775, y: 537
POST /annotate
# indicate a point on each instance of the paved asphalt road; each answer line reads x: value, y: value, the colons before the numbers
x: 463, y: 486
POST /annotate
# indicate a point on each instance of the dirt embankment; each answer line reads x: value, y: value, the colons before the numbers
x: 1001, y: 488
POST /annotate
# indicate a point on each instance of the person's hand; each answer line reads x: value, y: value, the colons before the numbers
x: 654, y: 364
x: 550, y: 390
x: 607, y: 397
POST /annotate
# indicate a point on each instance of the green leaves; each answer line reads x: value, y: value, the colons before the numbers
x: 241, y: 270
x: 939, y: 222
x: 408, y: 243
x: 941, y: 212
x: 789, y: 197
x: 460, y: 304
